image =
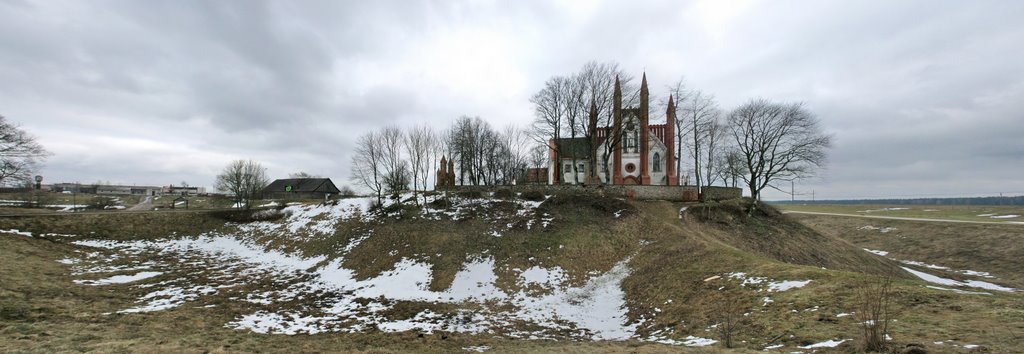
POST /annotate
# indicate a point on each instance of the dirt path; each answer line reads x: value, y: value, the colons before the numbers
x: 905, y: 218
x: 145, y: 204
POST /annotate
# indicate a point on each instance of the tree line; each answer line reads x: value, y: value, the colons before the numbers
x: 390, y: 159
x: 759, y: 143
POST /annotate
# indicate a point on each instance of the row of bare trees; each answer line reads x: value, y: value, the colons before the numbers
x: 389, y: 160
x: 759, y: 144
x: 562, y: 109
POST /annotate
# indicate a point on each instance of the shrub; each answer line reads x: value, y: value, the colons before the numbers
x: 504, y: 193
x: 533, y: 195
x: 874, y: 299
x: 471, y: 194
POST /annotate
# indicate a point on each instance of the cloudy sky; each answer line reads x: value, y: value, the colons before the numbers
x: 925, y: 98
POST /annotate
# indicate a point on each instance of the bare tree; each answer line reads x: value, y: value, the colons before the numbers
x: 368, y: 163
x: 699, y: 110
x: 20, y: 154
x: 244, y: 179
x: 301, y: 174
x: 417, y: 145
x: 777, y: 142
x: 713, y: 132
x: 680, y: 95
x: 396, y: 168
x: 549, y: 105
x: 731, y: 165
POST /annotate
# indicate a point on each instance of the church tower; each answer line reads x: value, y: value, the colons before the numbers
x: 645, y: 176
x: 617, y: 132
x: 670, y: 142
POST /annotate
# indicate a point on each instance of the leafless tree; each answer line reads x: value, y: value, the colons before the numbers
x: 731, y: 165
x: 20, y: 154
x: 418, y: 143
x: 396, y: 168
x: 699, y: 111
x: 777, y: 142
x: 368, y: 163
x: 713, y: 132
x: 302, y: 174
x: 245, y: 179
x: 549, y: 107
x: 563, y: 107
x: 680, y: 96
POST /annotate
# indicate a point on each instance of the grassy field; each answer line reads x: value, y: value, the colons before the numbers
x: 986, y: 213
x: 679, y: 264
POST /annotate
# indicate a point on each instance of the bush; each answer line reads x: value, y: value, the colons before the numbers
x: 13, y: 310
x: 533, y: 195
x: 471, y: 194
x: 504, y: 193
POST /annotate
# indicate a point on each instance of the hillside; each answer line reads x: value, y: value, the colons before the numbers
x: 454, y: 273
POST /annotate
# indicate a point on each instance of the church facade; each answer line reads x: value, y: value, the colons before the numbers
x: 637, y: 152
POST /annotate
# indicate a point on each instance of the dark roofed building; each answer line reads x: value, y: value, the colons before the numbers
x: 300, y: 188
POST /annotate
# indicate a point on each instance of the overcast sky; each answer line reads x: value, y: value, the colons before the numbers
x: 924, y: 98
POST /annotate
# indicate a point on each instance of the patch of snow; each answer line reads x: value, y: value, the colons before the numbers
x: 478, y: 348
x: 777, y: 346
x: 958, y: 291
x: 882, y: 209
x: 883, y: 230
x: 970, y: 283
x: 986, y: 214
x: 970, y: 346
x: 119, y: 279
x: 169, y: 298
x: 826, y: 344
x: 787, y: 284
x: 880, y: 253
x: 1011, y: 216
x: 843, y: 314
x: 17, y: 232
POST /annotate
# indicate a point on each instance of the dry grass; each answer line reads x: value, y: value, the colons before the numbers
x: 671, y: 258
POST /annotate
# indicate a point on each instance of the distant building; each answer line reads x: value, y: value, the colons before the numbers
x: 300, y: 188
x: 184, y: 190
x: 106, y: 189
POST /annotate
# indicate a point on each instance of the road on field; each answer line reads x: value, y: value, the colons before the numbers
x: 145, y: 204
x: 904, y: 218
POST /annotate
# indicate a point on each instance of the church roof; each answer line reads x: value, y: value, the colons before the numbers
x: 322, y: 185
x: 568, y: 146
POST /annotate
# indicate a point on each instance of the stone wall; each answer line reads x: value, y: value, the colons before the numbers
x: 669, y: 193
x: 721, y: 193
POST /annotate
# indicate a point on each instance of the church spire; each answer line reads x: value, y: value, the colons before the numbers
x: 643, y: 84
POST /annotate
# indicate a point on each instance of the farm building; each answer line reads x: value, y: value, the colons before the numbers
x: 300, y: 188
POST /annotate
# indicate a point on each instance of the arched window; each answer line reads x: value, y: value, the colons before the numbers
x: 657, y: 162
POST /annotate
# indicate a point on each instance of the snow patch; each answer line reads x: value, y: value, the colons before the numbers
x: 970, y: 283
x: 826, y: 344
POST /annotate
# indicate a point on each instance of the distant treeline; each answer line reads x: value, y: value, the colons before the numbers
x: 1017, y: 200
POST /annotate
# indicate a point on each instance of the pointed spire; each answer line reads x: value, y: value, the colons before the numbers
x: 593, y: 108
x: 643, y: 83
x: 671, y: 106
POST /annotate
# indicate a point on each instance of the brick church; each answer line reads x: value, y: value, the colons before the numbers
x: 642, y: 156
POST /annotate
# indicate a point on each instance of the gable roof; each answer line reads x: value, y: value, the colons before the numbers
x: 567, y: 146
x: 298, y: 185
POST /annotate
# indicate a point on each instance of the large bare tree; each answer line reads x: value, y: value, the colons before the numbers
x: 563, y: 108
x: 368, y: 163
x: 244, y: 179
x: 700, y: 110
x: 396, y: 168
x: 777, y: 142
x: 418, y: 145
x: 20, y: 154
